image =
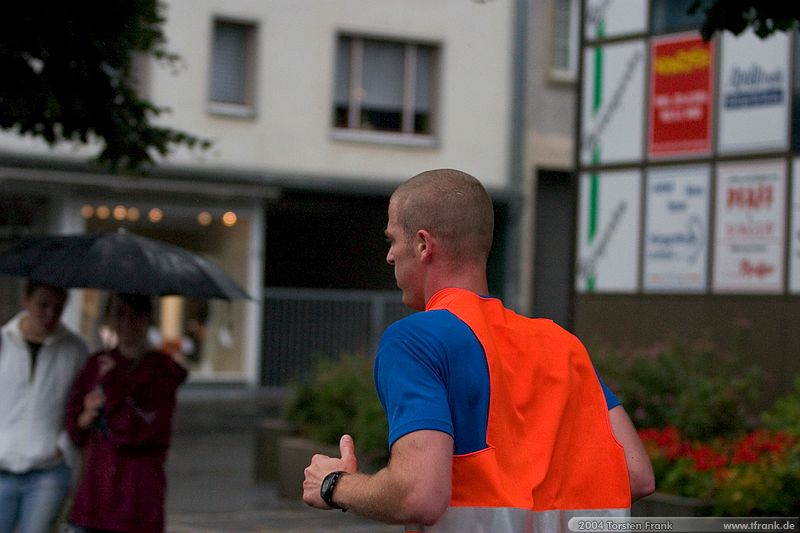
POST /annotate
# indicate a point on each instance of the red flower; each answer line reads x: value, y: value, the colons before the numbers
x: 706, y: 458
x: 759, y: 445
x: 668, y: 441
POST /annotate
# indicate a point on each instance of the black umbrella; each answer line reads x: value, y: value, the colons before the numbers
x: 118, y: 262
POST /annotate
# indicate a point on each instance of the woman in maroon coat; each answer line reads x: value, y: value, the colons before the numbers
x: 120, y: 412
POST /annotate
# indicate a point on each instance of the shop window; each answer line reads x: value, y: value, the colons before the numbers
x: 564, y: 61
x: 670, y: 16
x: 384, y: 86
x: 211, y: 334
x: 232, y: 83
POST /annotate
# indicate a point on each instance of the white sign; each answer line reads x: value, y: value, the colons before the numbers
x: 612, y: 118
x: 676, y: 229
x: 608, y: 246
x: 750, y: 227
x: 754, y: 92
x: 612, y: 18
x: 794, y: 240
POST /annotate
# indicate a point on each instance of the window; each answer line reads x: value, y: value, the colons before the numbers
x: 673, y: 16
x: 564, y: 65
x: 233, y: 68
x: 384, y: 86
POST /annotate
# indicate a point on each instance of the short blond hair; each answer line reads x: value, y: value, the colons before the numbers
x: 453, y: 206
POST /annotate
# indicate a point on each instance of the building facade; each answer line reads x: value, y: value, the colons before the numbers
x: 316, y: 111
x: 547, y: 161
x: 688, y: 182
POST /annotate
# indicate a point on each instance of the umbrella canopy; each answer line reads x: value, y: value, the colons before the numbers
x: 118, y: 262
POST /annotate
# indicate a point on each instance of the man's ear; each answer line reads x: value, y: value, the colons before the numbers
x: 425, y: 245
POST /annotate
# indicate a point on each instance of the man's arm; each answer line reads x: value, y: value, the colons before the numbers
x: 640, y: 471
x: 414, y: 488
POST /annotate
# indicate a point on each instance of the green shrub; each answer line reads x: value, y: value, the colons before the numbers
x: 785, y: 414
x: 340, y: 398
x: 696, y: 387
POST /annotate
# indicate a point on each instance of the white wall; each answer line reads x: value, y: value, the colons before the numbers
x: 292, y: 132
x: 295, y: 57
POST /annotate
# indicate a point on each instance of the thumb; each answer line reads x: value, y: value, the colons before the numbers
x: 347, y: 448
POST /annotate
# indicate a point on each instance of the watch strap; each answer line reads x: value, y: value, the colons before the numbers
x: 327, y: 487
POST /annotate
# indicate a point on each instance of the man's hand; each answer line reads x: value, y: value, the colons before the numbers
x: 322, y: 465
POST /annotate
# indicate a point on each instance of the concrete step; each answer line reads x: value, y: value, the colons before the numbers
x: 204, y: 408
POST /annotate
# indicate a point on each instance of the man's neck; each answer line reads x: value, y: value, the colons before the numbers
x: 473, y: 280
x: 29, y: 334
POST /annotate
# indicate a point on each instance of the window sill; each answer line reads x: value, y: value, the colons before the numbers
x: 562, y: 77
x: 394, y: 139
x: 231, y: 110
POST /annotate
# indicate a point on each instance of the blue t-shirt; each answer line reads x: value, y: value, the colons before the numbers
x: 431, y: 373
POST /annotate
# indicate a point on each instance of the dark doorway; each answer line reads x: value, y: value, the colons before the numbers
x: 327, y: 241
x: 556, y: 198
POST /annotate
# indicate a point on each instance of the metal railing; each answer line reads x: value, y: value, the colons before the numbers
x: 302, y: 325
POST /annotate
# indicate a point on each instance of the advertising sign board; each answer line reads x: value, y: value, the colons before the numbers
x: 681, y: 89
x: 613, y: 18
x: 612, y: 118
x: 794, y: 240
x: 750, y: 227
x: 608, y: 245
x: 754, y: 92
x: 676, y: 229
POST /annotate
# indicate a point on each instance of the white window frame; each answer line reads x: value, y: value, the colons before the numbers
x: 406, y: 135
x: 247, y: 108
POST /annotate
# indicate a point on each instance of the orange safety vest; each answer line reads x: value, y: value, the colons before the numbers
x: 551, y: 454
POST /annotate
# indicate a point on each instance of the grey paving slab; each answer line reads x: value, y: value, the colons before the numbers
x: 211, y: 486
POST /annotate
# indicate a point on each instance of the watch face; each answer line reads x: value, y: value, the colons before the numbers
x: 326, y: 489
x: 327, y: 485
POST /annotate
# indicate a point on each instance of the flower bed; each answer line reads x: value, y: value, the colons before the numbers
x: 755, y: 474
x: 703, y: 430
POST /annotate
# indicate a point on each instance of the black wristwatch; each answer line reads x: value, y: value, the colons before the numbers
x: 326, y: 489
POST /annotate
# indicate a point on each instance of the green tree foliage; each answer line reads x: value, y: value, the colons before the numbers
x: 764, y: 16
x: 68, y: 76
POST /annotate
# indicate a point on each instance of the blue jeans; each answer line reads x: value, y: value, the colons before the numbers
x: 33, y: 500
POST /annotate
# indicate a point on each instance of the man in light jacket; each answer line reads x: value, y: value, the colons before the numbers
x: 39, y: 359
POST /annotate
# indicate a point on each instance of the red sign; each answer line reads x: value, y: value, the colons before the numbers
x: 681, y: 88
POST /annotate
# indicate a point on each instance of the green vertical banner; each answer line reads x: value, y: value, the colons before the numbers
x: 594, y: 185
x: 612, y: 132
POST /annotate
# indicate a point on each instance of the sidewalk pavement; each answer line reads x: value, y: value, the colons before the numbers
x: 210, y: 469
